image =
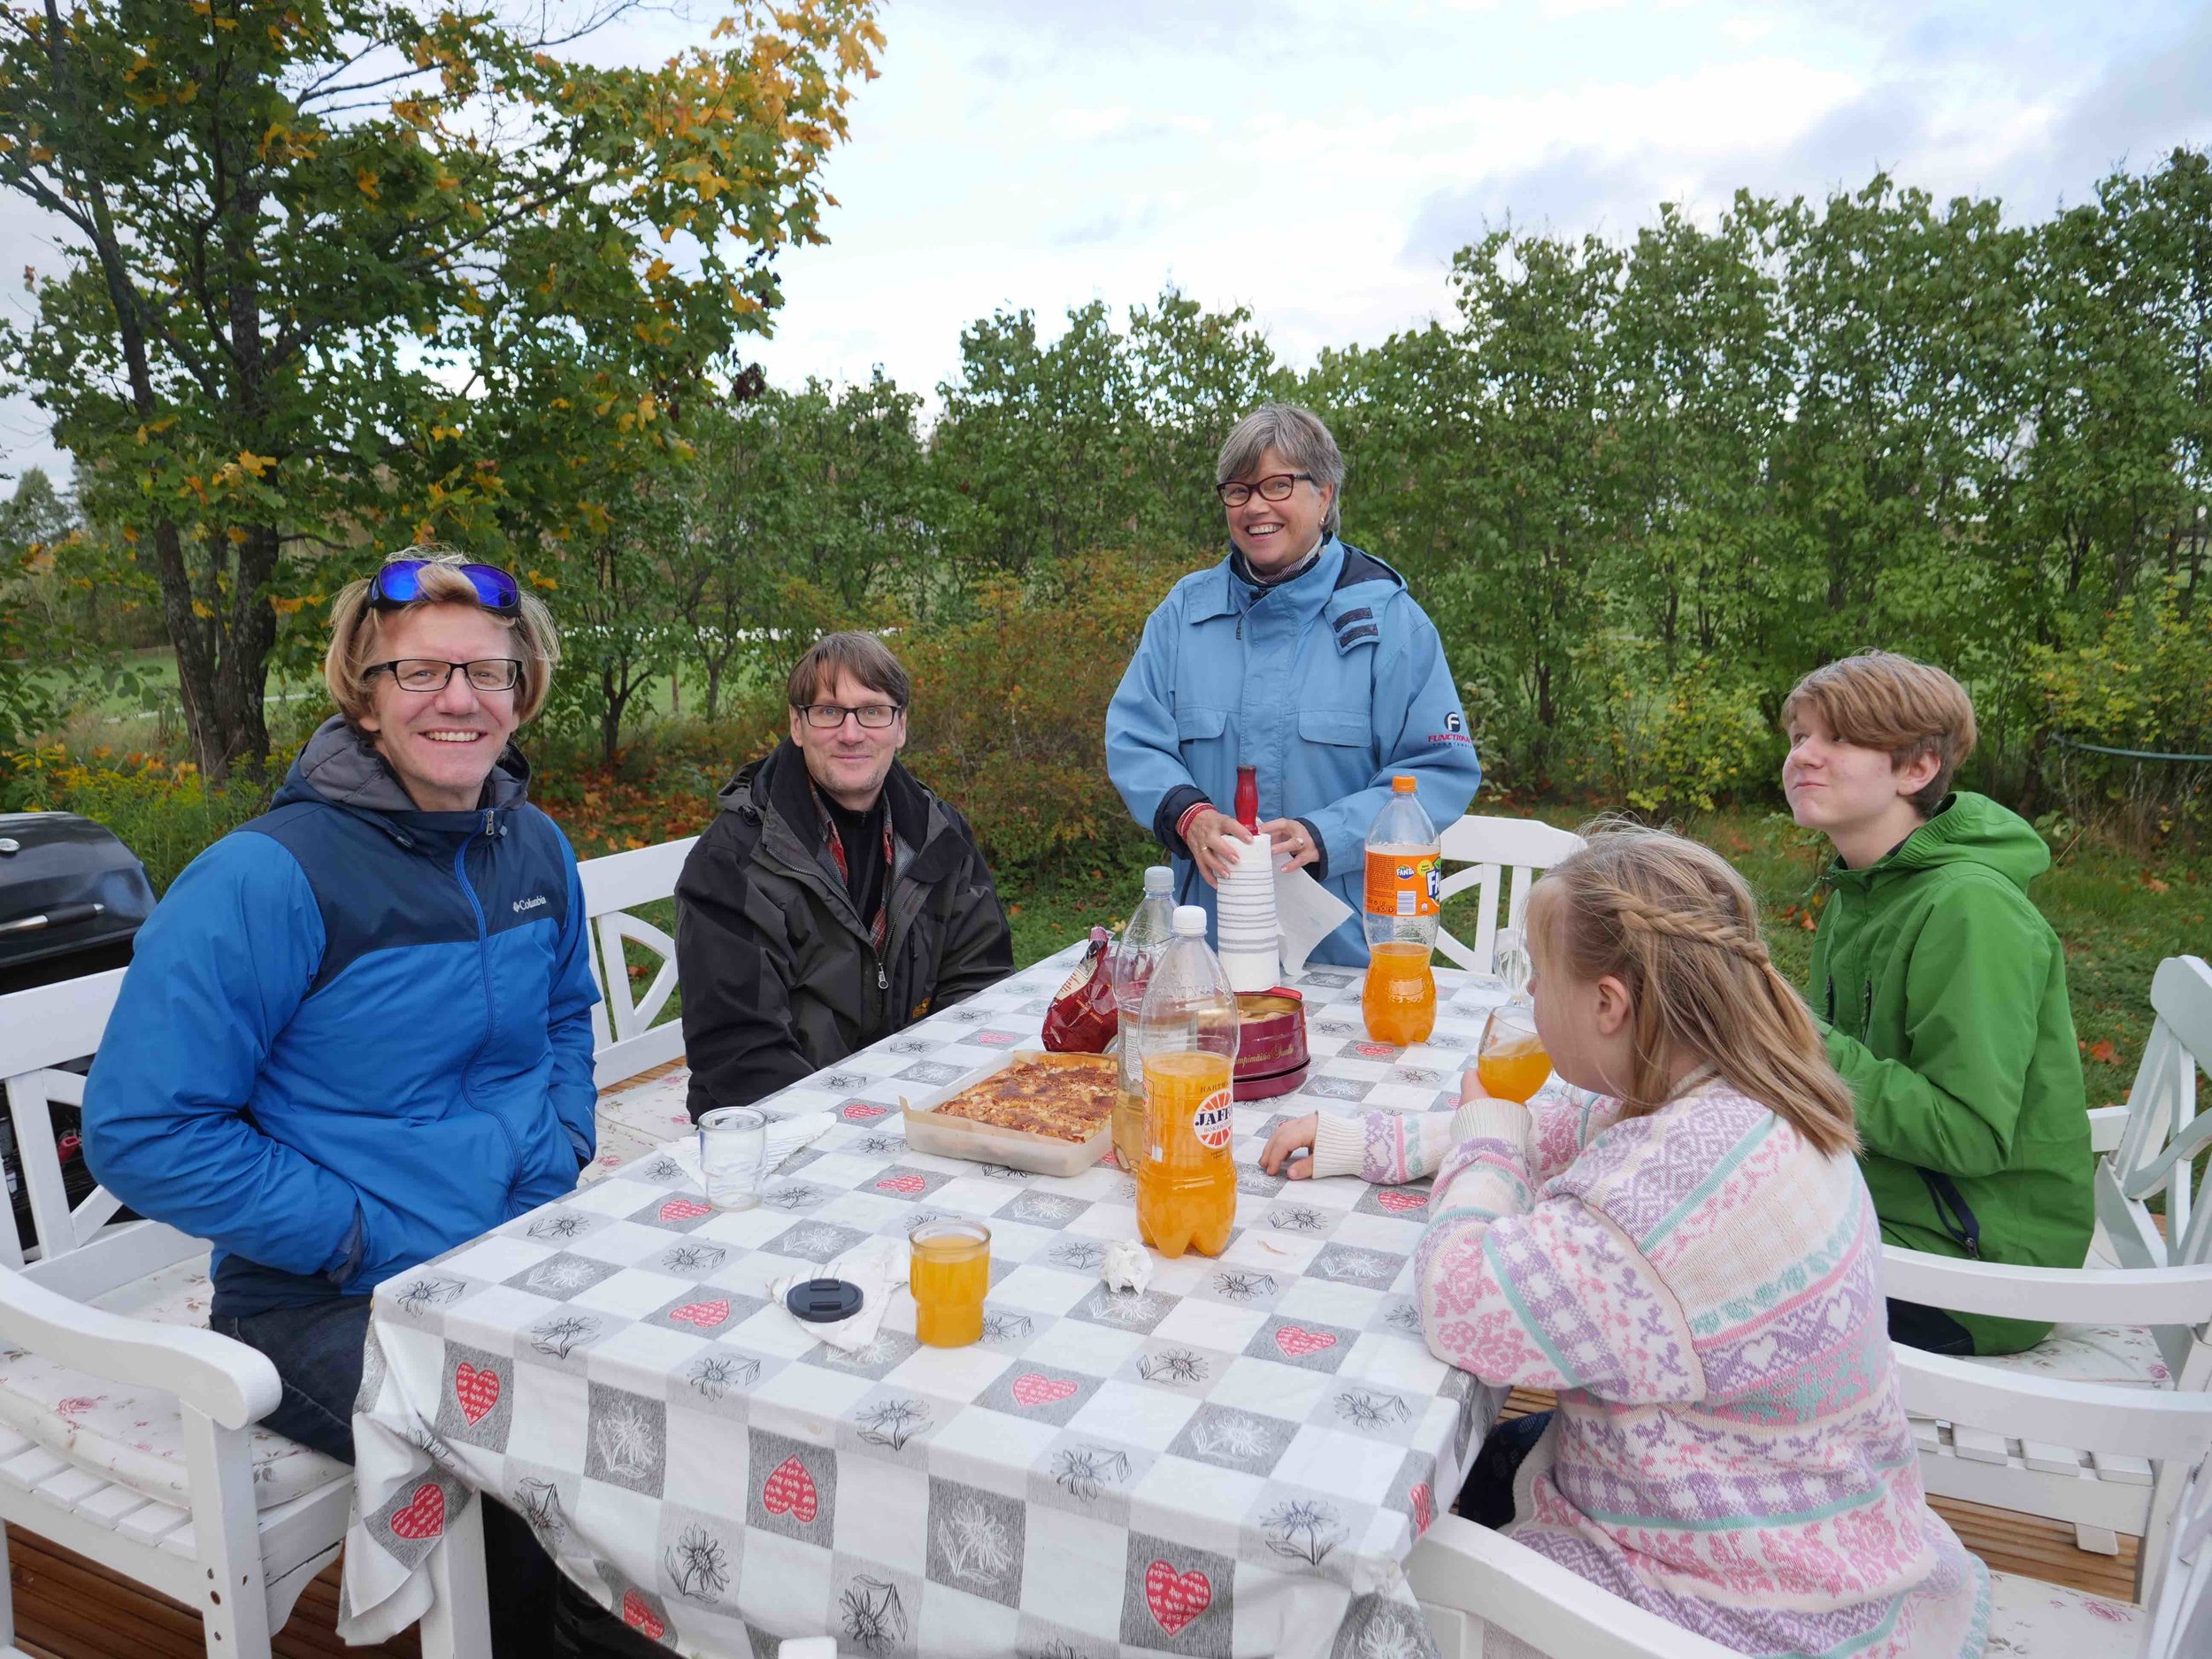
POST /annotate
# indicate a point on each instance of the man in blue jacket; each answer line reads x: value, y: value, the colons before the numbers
x: 1297, y: 655
x: 357, y: 1031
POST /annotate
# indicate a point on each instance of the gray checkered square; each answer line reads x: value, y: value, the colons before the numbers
x: 976, y: 1541
x: 1125, y: 1310
x: 476, y: 1406
x: 815, y: 1240
x: 676, y: 1212
x: 903, y: 1181
x: 791, y: 1487
x: 931, y: 1074
x: 1343, y: 1088
x: 704, y: 1311
x: 1036, y: 1208
x: 625, y: 1439
x: 1177, y: 1599
x: 560, y: 1276
x: 1306, y: 1343
x: 1348, y: 1265
x: 1233, y: 1439
x: 1042, y: 1394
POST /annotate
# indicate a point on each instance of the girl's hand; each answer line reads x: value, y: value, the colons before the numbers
x: 1470, y: 1088
x: 1294, y: 1136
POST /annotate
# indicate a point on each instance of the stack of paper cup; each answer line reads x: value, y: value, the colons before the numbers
x: 1250, y: 934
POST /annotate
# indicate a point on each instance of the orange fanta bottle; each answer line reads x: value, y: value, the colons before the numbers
x: 1399, y: 998
x: 1187, y: 1183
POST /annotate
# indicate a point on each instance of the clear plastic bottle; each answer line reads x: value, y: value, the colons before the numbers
x: 1403, y: 870
x: 1187, y: 1183
x: 1143, y: 940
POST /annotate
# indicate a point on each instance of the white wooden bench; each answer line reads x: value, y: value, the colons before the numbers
x: 2142, y: 1318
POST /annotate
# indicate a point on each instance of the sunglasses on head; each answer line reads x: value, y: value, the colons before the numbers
x: 400, y: 583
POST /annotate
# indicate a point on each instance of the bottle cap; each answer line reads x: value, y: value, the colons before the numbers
x: 1190, y: 921
x: 820, y: 1300
x: 1158, y: 879
x: 1403, y: 785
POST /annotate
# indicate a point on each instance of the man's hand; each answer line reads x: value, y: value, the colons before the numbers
x: 1293, y: 846
x: 1294, y: 1136
x: 1205, y: 836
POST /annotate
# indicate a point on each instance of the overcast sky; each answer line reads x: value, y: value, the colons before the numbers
x: 1318, y: 160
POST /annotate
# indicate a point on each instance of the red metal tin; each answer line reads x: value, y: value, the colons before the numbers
x: 1270, y: 1043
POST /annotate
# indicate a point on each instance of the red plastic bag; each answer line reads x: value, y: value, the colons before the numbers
x: 1083, y: 1017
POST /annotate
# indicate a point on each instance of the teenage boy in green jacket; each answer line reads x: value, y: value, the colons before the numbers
x: 1941, y: 988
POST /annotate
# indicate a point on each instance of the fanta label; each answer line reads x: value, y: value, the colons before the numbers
x: 1211, y: 1122
x: 1401, y: 886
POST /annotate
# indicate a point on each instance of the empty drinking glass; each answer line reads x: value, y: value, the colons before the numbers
x: 733, y: 1147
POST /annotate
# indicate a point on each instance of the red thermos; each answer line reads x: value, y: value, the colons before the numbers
x: 1249, y: 796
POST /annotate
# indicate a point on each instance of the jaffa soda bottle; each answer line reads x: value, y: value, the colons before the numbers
x: 1187, y: 1184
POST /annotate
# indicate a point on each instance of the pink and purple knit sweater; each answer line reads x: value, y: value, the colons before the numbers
x: 1703, y: 1289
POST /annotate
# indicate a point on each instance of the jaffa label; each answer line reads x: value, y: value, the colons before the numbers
x: 1211, y: 1122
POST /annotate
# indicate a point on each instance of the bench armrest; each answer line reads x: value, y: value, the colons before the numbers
x: 2062, y: 1295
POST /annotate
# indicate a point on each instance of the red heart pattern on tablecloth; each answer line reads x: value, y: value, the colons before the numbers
x: 684, y: 1210
x: 789, y: 1490
x: 1372, y: 1050
x: 1404, y: 1203
x: 1032, y: 1389
x: 902, y: 1184
x: 425, y: 1514
x: 1296, y: 1341
x: 1176, y: 1598
x: 705, y: 1315
x: 638, y: 1616
x: 477, y: 1391
x: 1424, y: 1509
x: 859, y: 1112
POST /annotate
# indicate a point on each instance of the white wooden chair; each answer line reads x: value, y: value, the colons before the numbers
x: 1497, y: 848
x: 626, y: 1041
x: 125, y: 1430
x: 2146, y: 1322
x: 1475, y: 1584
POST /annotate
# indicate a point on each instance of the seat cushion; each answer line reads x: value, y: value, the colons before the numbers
x: 135, y: 1436
x: 2030, y: 1618
x: 2118, y: 1354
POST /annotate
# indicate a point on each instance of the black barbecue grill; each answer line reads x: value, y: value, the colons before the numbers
x: 71, y: 898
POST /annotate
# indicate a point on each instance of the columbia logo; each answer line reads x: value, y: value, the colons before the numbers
x: 529, y: 905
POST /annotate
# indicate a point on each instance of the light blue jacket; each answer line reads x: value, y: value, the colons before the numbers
x: 1328, y: 684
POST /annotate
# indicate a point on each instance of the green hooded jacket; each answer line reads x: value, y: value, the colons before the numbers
x: 1943, y: 994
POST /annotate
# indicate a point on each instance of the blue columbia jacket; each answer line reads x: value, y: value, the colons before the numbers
x: 354, y: 1035
x: 1328, y: 683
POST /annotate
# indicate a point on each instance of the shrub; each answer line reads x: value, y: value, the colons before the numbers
x: 165, y: 813
x: 1668, y: 744
x: 2144, y: 682
x: 1009, y: 706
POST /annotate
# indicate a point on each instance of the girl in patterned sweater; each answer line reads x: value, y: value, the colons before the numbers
x: 1681, y: 1247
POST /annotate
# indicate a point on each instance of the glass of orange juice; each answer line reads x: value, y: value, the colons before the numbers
x: 1511, y: 1063
x: 949, y: 1272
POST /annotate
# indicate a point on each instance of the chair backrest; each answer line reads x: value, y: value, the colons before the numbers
x: 81, y: 1251
x: 1497, y: 848
x: 2181, y: 1616
x: 2165, y: 1132
x: 625, y: 1039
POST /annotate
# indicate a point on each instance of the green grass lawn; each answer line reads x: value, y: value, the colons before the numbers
x: 2118, y: 914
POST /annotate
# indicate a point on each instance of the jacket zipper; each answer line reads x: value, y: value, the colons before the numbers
x: 484, y: 966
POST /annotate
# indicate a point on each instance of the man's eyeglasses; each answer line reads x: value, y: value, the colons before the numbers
x: 400, y: 583
x: 827, y: 716
x: 427, y: 673
x: 1275, y: 487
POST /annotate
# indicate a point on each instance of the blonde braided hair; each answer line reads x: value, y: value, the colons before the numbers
x: 1676, y: 926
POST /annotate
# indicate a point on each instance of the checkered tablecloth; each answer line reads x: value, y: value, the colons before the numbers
x: 1237, y: 1461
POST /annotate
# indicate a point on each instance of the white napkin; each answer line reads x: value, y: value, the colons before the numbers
x: 1127, y: 1266
x: 1309, y: 913
x: 877, y: 1268
x: 786, y: 1135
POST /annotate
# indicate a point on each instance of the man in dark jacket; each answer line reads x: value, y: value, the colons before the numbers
x: 833, y: 899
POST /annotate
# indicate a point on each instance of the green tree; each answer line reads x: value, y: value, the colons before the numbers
x: 349, y: 271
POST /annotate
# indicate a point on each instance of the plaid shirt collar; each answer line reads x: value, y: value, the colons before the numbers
x: 880, y: 924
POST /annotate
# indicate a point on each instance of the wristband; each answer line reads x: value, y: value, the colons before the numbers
x: 1182, y: 824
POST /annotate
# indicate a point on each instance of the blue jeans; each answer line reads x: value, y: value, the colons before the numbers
x: 1487, y: 1497
x: 535, y: 1610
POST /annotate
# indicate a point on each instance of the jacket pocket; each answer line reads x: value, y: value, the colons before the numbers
x: 1348, y: 727
x: 1196, y: 725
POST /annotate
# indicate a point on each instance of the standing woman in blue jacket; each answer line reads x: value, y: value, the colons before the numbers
x: 1298, y: 655
x: 357, y: 1031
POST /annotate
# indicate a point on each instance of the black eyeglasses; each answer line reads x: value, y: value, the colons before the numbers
x: 400, y: 583
x: 827, y: 716
x: 427, y: 673
x: 1275, y: 487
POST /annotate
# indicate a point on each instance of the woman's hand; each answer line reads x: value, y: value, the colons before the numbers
x: 1294, y: 1136
x: 1294, y: 844
x: 1207, y: 837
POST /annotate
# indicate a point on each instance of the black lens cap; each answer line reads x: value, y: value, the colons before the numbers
x: 820, y: 1300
